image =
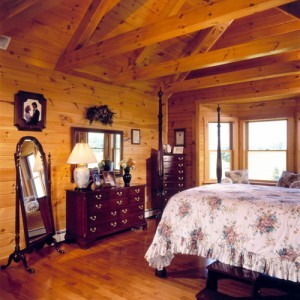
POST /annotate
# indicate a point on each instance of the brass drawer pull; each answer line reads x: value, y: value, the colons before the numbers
x: 119, y: 194
x: 119, y: 202
x: 141, y: 206
x: 98, y: 206
x: 180, y: 184
x: 180, y: 165
x: 113, y: 224
x: 141, y: 217
x: 124, y: 221
x: 180, y: 158
x: 98, y: 197
x: 180, y: 171
x: 124, y: 211
x: 137, y: 199
x: 93, y: 229
x: 113, y: 213
x: 137, y: 190
x: 93, y: 218
x: 165, y: 184
x: 180, y: 178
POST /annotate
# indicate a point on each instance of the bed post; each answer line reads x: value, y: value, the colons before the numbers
x: 160, y: 155
x: 219, y: 160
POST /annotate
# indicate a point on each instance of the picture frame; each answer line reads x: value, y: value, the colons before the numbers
x: 178, y: 150
x: 30, y: 111
x: 179, y: 135
x: 109, y: 178
x: 135, y: 136
x: 96, y: 178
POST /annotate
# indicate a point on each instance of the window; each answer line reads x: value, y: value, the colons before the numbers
x: 101, y: 144
x: 226, y: 147
x: 267, y: 149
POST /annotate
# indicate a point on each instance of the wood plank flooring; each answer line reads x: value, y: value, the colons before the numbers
x: 113, y: 268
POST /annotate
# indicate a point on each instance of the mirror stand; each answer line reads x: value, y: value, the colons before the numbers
x: 18, y: 254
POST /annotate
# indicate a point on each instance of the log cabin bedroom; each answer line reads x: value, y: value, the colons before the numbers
x: 150, y: 149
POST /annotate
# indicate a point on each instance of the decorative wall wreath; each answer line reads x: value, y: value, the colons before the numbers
x: 100, y: 113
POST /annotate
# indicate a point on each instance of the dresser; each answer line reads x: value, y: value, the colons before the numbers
x: 172, y: 180
x: 94, y: 214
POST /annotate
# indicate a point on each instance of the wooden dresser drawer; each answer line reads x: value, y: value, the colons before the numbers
x: 91, y: 215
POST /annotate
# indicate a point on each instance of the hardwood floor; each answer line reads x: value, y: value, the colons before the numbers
x: 113, y: 268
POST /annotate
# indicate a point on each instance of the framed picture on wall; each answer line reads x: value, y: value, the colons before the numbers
x: 135, y: 136
x: 179, y: 135
x: 30, y: 111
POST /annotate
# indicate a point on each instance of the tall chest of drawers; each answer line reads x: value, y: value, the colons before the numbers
x: 172, y: 181
x: 173, y: 174
x: 94, y: 214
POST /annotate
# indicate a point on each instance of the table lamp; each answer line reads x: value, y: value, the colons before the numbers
x: 82, y: 155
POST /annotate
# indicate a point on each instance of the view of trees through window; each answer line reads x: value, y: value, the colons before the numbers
x: 267, y: 149
x: 225, y: 148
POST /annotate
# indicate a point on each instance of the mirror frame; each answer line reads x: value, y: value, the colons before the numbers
x: 75, y: 130
x: 35, y: 242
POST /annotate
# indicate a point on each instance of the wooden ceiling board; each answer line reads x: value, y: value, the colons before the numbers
x: 186, y: 47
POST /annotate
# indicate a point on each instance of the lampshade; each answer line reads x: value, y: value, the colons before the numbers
x: 82, y: 155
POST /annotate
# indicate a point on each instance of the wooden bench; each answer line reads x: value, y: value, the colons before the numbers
x: 218, y: 270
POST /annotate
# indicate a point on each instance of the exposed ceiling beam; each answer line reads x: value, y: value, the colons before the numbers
x: 285, y: 86
x: 263, y: 47
x: 251, y: 74
x: 193, y: 20
x: 19, y: 17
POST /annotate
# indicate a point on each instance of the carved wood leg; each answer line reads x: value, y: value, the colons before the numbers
x: 212, y: 280
x: 161, y: 273
x: 18, y: 256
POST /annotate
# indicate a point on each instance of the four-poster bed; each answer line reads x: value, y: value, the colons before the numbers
x: 241, y: 226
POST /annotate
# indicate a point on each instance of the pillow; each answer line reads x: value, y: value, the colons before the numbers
x: 295, y: 184
x: 226, y: 180
x: 287, y: 178
x: 238, y: 176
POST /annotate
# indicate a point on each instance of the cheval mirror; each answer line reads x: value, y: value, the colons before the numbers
x: 33, y: 195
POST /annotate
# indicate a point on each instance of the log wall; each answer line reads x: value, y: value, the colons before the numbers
x: 67, y: 98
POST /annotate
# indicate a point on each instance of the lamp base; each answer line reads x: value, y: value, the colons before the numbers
x: 82, y: 176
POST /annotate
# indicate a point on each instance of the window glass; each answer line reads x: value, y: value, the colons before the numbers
x: 96, y: 143
x: 225, y: 130
x: 267, y: 149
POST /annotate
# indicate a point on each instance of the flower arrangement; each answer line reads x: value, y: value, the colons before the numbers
x: 100, y: 113
x: 128, y: 164
x: 105, y: 165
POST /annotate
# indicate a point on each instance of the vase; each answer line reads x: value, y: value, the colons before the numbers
x: 127, y: 177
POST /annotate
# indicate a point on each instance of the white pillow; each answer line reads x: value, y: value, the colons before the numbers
x: 238, y: 176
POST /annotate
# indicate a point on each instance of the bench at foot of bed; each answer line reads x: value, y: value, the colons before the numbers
x: 218, y: 270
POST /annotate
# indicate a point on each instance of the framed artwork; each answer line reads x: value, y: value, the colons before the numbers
x: 109, y: 178
x: 96, y: 178
x: 179, y: 137
x: 178, y: 150
x: 30, y: 111
x: 135, y: 136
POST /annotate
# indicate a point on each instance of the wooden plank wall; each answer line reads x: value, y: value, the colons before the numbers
x: 67, y: 97
x: 190, y: 114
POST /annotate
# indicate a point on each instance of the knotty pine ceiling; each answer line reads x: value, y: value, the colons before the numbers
x: 189, y: 48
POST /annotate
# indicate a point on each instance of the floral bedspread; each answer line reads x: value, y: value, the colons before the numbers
x: 250, y: 226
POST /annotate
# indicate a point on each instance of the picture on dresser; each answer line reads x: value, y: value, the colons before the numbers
x: 96, y: 178
x: 178, y: 150
x: 109, y: 178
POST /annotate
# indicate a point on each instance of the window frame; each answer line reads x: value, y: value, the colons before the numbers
x: 290, y: 164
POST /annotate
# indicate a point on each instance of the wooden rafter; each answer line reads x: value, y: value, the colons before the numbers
x: 20, y: 15
x: 263, y: 47
x: 184, y: 23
